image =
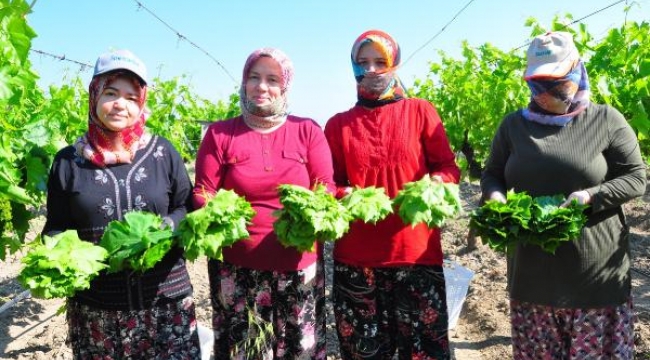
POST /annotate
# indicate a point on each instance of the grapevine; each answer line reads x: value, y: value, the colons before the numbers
x: 8, y: 242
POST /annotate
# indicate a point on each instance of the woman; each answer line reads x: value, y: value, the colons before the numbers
x: 576, y: 303
x: 389, y: 288
x: 259, y: 278
x: 117, y: 166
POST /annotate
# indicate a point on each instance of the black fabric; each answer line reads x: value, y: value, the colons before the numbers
x: 376, y: 103
x: 84, y: 197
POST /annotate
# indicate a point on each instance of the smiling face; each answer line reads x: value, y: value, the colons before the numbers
x: 118, y: 105
x: 264, y: 82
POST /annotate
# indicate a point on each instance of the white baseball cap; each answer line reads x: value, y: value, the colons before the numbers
x: 120, y: 59
x: 551, y: 55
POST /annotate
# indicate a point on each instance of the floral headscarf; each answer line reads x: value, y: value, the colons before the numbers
x: 382, y: 87
x: 558, y: 101
x: 265, y: 117
x: 98, y: 143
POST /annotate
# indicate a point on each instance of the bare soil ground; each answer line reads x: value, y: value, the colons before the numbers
x: 32, y: 329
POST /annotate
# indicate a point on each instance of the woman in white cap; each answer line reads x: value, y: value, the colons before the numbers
x: 576, y: 303
x: 118, y: 166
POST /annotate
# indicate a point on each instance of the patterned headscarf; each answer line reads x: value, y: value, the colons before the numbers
x: 381, y: 87
x: 558, y: 101
x: 98, y: 143
x: 265, y: 117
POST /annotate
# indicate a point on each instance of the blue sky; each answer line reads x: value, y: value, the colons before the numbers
x: 316, y: 35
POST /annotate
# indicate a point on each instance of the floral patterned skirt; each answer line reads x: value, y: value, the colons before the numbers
x: 381, y: 311
x: 164, y: 332
x: 544, y: 332
x: 268, y: 314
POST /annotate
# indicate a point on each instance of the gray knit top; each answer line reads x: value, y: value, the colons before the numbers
x: 597, y: 151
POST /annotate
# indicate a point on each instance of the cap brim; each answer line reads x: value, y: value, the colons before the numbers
x: 121, y: 69
x: 549, y: 70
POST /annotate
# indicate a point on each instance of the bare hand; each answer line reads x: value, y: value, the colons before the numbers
x: 498, y: 196
x: 582, y: 197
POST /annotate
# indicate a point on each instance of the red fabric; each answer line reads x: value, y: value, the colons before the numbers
x: 387, y: 147
x: 103, y: 140
x: 232, y: 156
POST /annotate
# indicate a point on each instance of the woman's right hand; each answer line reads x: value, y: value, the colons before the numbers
x: 498, y: 196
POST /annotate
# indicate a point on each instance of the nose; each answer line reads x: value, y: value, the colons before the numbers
x: 120, y: 102
x: 263, y: 85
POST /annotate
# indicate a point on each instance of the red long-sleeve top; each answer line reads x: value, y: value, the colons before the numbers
x: 232, y: 156
x: 387, y: 147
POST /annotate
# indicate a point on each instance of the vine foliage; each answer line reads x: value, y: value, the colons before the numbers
x: 474, y: 93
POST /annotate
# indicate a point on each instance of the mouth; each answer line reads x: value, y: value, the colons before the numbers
x: 116, y: 115
x: 260, y: 99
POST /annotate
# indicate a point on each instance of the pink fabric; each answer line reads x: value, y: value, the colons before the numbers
x: 387, y: 147
x: 232, y: 156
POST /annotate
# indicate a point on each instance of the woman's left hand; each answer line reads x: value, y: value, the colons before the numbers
x: 582, y: 197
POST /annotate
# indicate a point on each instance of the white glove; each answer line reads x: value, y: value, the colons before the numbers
x: 498, y: 196
x: 582, y: 197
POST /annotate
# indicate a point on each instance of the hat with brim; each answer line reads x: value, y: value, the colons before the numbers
x: 120, y: 60
x: 552, y: 55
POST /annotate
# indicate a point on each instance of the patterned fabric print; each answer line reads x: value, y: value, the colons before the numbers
x: 564, y: 98
x: 164, y: 332
x: 381, y: 310
x: 385, y: 44
x: 138, y: 173
x: 294, y: 302
x: 97, y: 144
x: 377, y: 88
x: 266, y: 117
x: 544, y: 332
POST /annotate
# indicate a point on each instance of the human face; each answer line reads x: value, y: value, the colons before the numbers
x: 264, y: 82
x: 371, y: 59
x: 118, y: 107
x: 558, y: 94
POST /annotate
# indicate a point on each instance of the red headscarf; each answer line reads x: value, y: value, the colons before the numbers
x: 99, y: 144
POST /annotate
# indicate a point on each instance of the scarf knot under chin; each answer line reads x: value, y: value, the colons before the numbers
x: 99, y: 145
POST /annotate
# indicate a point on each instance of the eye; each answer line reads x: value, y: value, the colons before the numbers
x: 109, y: 92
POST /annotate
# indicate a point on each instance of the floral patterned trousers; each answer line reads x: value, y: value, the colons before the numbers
x: 545, y: 332
x: 163, y: 332
x: 381, y: 311
x: 268, y: 314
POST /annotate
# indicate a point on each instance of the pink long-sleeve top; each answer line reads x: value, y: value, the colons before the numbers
x: 387, y: 147
x: 234, y: 157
